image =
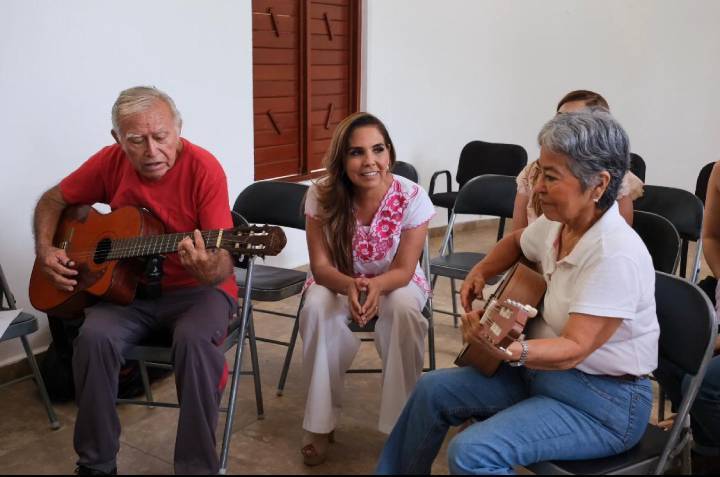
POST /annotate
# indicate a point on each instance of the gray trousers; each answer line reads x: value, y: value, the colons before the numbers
x: 198, y: 319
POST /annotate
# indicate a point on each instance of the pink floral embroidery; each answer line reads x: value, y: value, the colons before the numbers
x: 365, y: 250
x: 385, y: 227
x: 422, y: 283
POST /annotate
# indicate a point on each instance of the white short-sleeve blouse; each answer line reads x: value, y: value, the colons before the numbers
x: 405, y: 206
x: 609, y: 273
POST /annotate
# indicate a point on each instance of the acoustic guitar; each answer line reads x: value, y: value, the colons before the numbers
x: 505, y: 316
x: 109, y: 252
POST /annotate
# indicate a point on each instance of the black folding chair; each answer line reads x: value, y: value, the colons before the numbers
x: 274, y: 203
x: 478, y: 158
x: 239, y: 329
x: 702, y: 181
x: 406, y: 170
x: 661, y: 239
x: 489, y: 194
x: 687, y: 339
x: 637, y: 166
x: 22, y: 326
x: 685, y: 211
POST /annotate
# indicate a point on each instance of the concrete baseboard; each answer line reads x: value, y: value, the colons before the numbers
x: 18, y: 369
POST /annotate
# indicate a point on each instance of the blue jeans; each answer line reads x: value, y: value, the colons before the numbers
x: 526, y: 416
x: 705, y: 412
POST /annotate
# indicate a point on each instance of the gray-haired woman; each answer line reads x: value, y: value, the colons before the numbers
x: 577, y: 387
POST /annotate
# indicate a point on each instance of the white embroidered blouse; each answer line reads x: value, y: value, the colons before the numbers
x: 405, y: 206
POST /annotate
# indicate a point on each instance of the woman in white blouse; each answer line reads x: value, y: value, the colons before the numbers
x: 577, y: 387
x: 365, y: 232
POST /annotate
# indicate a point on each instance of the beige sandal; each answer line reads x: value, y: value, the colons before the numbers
x: 315, y: 451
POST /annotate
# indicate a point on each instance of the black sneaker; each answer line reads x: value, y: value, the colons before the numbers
x: 83, y: 470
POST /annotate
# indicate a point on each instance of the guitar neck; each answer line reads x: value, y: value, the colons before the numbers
x: 159, y: 244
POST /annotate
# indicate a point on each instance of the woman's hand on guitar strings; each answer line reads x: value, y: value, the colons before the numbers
x: 474, y: 333
x: 57, y: 266
x: 471, y: 289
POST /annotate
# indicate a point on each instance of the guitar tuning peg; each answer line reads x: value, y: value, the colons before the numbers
x: 531, y: 311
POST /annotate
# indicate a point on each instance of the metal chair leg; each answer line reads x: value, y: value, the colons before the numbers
x: 237, y: 366
x: 255, y: 368
x: 291, y: 348
x: 431, y: 341
x: 683, y: 258
x: 453, y: 292
x: 501, y: 229
x: 54, y: 423
x: 146, y: 382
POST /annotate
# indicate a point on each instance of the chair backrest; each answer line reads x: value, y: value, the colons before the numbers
x: 687, y: 341
x: 274, y: 203
x: 406, y: 170
x: 661, y: 239
x: 480, y: 157
x: 489, y: 194
x: 637, y: 166
x: 702, y: 181
x: 687, y: 323
x: 679, y: 206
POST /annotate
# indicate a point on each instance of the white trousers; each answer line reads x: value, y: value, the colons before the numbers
x: 329, y: 348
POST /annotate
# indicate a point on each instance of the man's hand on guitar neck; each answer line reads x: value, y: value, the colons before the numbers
x: 207, y: 266
x: 56, y: 265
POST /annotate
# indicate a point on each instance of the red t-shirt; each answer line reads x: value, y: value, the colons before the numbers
x: 191, y: 195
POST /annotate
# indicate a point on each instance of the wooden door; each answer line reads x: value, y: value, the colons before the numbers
x: 306, y: 79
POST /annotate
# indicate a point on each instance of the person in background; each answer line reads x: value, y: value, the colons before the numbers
x: 527, y: 205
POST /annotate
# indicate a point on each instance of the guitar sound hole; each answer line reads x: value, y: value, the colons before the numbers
x: 102, y: 251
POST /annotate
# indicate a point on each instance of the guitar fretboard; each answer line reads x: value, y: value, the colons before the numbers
x: 157, y: 244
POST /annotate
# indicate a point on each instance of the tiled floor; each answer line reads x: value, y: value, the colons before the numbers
x: 271, y: 445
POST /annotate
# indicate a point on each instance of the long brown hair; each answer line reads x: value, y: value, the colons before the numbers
x: 335, y: 191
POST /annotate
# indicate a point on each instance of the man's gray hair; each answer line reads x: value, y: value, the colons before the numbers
x: 593, y: 141
x: 138, y: 99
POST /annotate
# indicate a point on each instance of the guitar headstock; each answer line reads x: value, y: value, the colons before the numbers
x: 259, y: 240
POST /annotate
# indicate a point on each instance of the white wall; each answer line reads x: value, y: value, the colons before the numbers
x: 62, y: 65
x: 444, y: 73
x: 440, y: 73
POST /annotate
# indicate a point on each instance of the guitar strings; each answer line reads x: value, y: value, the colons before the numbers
x: 134, y: 249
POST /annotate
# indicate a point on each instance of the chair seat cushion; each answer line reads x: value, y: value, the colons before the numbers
x: 644, y: 454
x: 272, y: 283
x: 444, y: 199
x: 455, y: 265
x: 23, y: 324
